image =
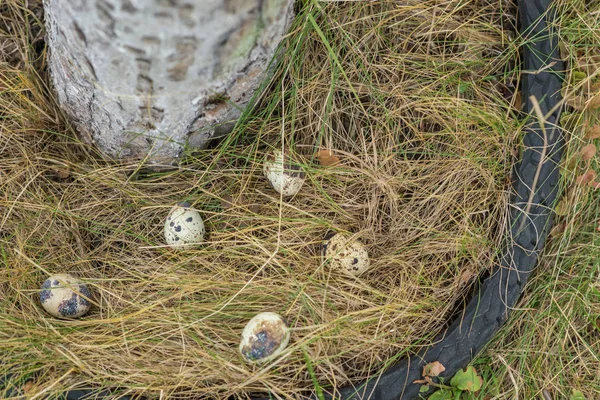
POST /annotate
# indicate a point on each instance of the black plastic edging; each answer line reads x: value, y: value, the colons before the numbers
x: 535, y: 188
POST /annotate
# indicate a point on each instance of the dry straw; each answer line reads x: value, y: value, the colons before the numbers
x: 413, y: 97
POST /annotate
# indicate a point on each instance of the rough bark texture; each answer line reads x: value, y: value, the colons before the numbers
x: 146, y: 78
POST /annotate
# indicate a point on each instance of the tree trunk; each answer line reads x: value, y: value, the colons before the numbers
x: 148, y: 78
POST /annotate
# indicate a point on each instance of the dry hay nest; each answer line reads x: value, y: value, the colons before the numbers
x: 411, y: 100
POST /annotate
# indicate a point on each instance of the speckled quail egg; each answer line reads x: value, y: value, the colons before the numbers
x: 285, y: 176
x: 265, y: 336
x: 345, y: 254
x: 184, y: 226
x: 65, y: 296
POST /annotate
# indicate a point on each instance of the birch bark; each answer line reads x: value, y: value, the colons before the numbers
x: 145, y: 78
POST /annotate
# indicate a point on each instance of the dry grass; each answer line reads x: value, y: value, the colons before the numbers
x: 414, y: 98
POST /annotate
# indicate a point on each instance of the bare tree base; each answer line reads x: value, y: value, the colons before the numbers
x: 147, y: 79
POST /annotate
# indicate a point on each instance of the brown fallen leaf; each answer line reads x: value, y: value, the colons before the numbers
x: 588, y: 177
x: 61, y: 173
x: 327, y: 158
x: 594, y: 102
x: 588, y: 152
x: 27, y: 387
x: 575, y: 101
x: 433, y: 369
x: 255, y: 208
x: 425, y: 380
x: 465, y: 277
x: 558, y: 230
x: 593, y: 132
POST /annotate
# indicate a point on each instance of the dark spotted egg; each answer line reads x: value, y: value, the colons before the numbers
x: 65, y: 296
x: 265, y: 336
x: 349, y: 256
x: 184, y: 226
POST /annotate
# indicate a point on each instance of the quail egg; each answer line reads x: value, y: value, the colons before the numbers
x: 344, y: 254
x: 285, y: 176
x: 184, y: 226
x: 265, y: 336
x: 65, y: 296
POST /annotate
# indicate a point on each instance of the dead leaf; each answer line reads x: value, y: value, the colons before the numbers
x: 572, y: 163
x: 585, y: 66
x: 598, y: 229
x: 588, y: 177
x: 61, y: 172
x: 517, y: 101
x: 558, y: 229
x: 424, y: 381
x: 433, y: 369
x: 327, y: 158
x: 594, y: 102
x: 27, y: 387
x: 588, y: 152
x: 575, y: 101
x: 255, y: 208
x: 593, y: 132
x: 465, y: 277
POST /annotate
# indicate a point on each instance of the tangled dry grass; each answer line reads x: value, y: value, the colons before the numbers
x: 415, y: 99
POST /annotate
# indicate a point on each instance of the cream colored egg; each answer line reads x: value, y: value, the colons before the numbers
x: 347, y: 255
x: 183, y: 226
x: 265, y: 336
x: 285, y: 176
x: 65, y: 296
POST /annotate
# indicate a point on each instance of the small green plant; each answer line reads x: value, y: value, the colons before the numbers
x: 462, y: 385
x: 576, y: 395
